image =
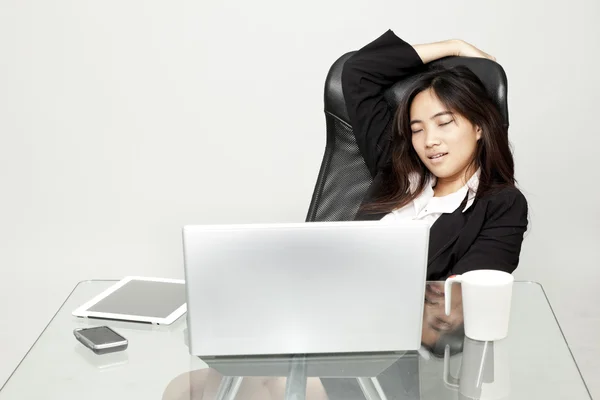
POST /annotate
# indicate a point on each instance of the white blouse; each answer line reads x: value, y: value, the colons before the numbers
x: 428, y: 208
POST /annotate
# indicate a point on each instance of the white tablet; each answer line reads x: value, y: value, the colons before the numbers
x: 141, y: 299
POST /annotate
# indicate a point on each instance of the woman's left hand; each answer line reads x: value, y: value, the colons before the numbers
x: 453, y: 47
x: 465, y: 49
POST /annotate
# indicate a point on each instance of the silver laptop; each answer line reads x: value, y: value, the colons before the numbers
x: 317, y: 287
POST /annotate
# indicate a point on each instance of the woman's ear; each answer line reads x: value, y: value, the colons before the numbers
x: 478, y: 132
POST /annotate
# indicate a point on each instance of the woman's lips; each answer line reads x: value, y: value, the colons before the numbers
x: 437, y: 158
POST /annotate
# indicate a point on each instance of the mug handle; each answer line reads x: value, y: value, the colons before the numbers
x: 448, y: 291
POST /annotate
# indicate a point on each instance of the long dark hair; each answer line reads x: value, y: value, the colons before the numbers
x: 461, y: 91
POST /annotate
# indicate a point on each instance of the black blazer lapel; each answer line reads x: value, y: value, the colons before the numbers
x: 444, y: 231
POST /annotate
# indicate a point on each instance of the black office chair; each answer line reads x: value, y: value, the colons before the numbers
x: 344, y: 179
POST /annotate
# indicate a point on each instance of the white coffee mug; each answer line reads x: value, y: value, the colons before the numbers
x: 486, y: 299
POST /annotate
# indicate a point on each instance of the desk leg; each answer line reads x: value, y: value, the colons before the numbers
x: 295, y: 388
x: 371, y: 388
x: 229, y: 387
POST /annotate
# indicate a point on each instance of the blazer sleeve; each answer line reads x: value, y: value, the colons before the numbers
x: 365, y: 77
x: 498, y: 244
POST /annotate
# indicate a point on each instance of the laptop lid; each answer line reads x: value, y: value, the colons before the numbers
x: 318, y: 287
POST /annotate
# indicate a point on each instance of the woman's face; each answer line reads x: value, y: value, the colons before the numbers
x: 445, y: 141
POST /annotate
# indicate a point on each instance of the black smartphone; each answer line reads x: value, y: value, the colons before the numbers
x: 101, y: 339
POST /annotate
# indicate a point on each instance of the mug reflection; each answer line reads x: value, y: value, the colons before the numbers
x: 484, y: 371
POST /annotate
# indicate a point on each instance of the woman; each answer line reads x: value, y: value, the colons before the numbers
x: 442, y: 156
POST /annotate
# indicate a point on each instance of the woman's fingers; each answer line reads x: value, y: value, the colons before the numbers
x: 468, y: 50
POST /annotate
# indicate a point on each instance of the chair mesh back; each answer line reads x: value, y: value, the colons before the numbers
x: 344, y: 178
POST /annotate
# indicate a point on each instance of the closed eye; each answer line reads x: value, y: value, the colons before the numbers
x: 442, y: 124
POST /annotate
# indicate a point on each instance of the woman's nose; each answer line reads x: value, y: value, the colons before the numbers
x: 431, y: 139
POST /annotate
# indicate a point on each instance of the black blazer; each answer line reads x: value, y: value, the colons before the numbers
x: 486, y: 236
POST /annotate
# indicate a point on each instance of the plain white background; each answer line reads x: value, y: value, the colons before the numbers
x: 120, y: 121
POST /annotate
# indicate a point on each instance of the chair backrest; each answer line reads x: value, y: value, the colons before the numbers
x: 343, y: 178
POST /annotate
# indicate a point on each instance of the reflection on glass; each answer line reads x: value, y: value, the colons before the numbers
x: 483, y: 372
x: 209, y: 384
x: 439, y: 330
x: 112, y: 361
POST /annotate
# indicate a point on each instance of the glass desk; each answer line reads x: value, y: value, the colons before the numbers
x: 534, y: 362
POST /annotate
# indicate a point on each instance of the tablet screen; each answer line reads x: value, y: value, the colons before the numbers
x: 143, y: 298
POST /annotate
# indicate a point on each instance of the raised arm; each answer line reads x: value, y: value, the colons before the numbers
x: 373, y: 69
